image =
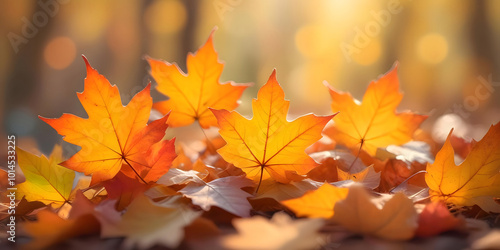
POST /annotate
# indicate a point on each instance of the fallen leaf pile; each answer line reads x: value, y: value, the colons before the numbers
x: 267, y: 182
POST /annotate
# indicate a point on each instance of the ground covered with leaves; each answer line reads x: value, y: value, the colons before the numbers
x: 366, y: 175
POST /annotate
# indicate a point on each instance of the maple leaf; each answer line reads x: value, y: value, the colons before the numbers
x: 476, y: 181
x: 268, y: 145
x: 372, y: 123
x: 317, y: 203
x: 404, y: 164
x: 281, y: 232
x: 190, y: 95
x: 123, y: 189
x: 436, y: 219
x: 368, y: 177
x: 286, y: 191
x: 51, y: 229
x: 396, y: 219
x: 114, y: 134
x: 177, y: 176
x: 224, y: 192
x: 338, y: 165
x: 146, y: 224
x: 46, y: 181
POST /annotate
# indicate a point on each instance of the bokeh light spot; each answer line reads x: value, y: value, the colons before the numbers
x: 432, y: 48
x: 88, y: 22
x: 165, y: 16
x: 445, y: 123
x: 60, y: 52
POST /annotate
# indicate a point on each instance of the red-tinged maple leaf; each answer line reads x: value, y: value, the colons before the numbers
x: 436, y: 219
x: 190, y: 95
x: 124, y: 189
x: 114, y: 134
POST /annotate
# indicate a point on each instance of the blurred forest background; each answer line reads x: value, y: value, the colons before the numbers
x: 447, y: 50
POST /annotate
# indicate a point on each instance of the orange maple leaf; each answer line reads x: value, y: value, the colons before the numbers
x: 50, y: 229
x: 114, y: 134
x: 475, y: 181
x: 373, y: 123
x: 268, y: 145
x: 190, y: 95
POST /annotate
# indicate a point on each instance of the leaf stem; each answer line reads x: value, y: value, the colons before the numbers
x: 65, y: 201
x: 210, y: 146
x: 357, y: 156
x: 407, y: 179
x: 260, y: 180
x: 133, y: 169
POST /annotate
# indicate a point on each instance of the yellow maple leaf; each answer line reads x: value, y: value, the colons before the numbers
x: 317, y: 203
x: 476, y: 181
x: 372, y: 123
x: 268, y: 145
x: 46, y: 181
x: 190, y: 95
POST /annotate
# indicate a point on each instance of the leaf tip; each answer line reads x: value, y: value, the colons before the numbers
x: 87, y: 65
x: 215, y: 28
x: 86, y: 61
x: 215, y: 111
x: 395, y: 66
x: 209, y: 42
x: 43, y: 118
x: 272, y: 78
x: 449, y: 134
x: 326, y: 84
x: 273, y: 75
x: 148, y: 87
x: 333, y: 115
